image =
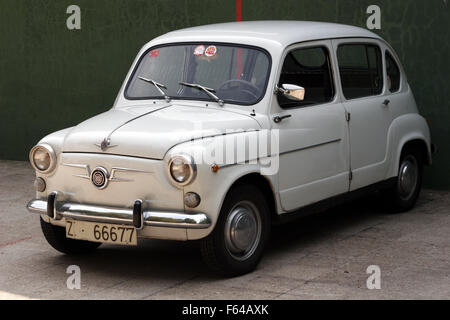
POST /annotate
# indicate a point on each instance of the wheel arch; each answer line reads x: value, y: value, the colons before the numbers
x: 418, y: 144
x: 264, y: 185
x: 215, y: 187
x: 408, y: 130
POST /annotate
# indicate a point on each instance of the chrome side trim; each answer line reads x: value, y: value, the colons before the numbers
x: 124, y: 216
x: 311, y: 146
x: 280, y: 154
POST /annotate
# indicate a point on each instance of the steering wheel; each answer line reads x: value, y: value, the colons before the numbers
x: 250, y: 88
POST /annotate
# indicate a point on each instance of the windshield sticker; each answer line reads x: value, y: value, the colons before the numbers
x: 211, y: 51
x: 198, y: 51
x: 154, y: 53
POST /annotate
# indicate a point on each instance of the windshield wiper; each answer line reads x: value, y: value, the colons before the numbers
x: 207, y: 90
x: 158, y: 86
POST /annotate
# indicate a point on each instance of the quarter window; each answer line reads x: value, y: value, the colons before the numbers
x: 393, y: 73
x: 360, y: 68
x: 310, y: 69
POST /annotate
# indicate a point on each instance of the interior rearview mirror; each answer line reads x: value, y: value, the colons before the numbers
x: 292, y: 92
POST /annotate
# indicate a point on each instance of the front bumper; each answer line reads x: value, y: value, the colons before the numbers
x: 138, y: 216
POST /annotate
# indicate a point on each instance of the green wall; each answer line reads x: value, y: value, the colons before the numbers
x: 52, y: 78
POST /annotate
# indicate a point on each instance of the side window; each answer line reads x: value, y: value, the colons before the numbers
x: 360, y: 67
x: 310, y: 69
x: 393, y: 74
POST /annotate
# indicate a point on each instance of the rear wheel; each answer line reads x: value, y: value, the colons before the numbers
x: 404, y: 194
x: 236, y: 245
x: 56, y: 237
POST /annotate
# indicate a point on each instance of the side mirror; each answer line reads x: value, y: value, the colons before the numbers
x: 292, y: 92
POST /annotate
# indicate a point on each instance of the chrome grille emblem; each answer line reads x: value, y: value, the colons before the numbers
x: 99, y: 177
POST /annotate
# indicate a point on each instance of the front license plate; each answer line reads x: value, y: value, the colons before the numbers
x: 101, y: 232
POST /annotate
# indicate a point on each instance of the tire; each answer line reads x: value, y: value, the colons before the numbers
x: 403, y: 196
x: 237, y: 243
x: 56, y: 237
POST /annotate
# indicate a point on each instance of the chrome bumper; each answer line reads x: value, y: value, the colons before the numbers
x: 126, y: 216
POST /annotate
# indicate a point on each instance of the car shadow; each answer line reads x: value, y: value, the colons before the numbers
x: 151, y: 258
x: 339, y: 220
x: 180, y: 260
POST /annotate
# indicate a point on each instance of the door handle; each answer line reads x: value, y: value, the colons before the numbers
x: 386, y: 102
x: 279, y: 119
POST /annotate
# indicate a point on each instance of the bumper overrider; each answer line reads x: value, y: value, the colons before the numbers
x: 137, y: 216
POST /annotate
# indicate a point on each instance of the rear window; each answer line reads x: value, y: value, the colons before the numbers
x: 360, y: 68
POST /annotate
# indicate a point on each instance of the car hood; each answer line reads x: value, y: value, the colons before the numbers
x: 150, y: 131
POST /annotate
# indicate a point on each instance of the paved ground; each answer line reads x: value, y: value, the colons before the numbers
x: 319, y: 257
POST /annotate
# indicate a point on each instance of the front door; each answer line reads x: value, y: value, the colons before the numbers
x: 314, y: 145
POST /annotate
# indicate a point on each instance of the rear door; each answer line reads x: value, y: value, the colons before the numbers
x: 361, y: 75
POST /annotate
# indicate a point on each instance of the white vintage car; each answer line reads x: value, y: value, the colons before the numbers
x: 220, y: 130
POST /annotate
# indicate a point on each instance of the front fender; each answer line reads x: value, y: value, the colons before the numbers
x: 214, y: 186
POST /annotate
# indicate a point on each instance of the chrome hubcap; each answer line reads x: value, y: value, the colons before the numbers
x: 242, y: 230
x: 408, y: 177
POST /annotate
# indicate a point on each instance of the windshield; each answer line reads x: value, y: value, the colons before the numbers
x: 232, y: 73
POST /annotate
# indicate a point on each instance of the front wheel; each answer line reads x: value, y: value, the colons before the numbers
x: 56, y: 237
x: 237, y: 243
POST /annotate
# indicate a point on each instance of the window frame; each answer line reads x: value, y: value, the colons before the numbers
x: 227, y: 44
x: 393, y: 57
x: 300, y: 46
x: 365, y: 42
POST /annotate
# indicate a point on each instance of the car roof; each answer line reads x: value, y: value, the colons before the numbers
x: 281, y: 32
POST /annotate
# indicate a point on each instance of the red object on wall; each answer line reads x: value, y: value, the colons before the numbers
x: 238, y: 10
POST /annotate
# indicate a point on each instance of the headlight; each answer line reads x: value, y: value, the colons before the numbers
x: 43, y: 158
x: 182, y: 169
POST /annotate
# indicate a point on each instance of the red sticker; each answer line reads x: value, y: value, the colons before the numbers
x: 154, y: 53
x: 198, y: 51
x: 210, y: 51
